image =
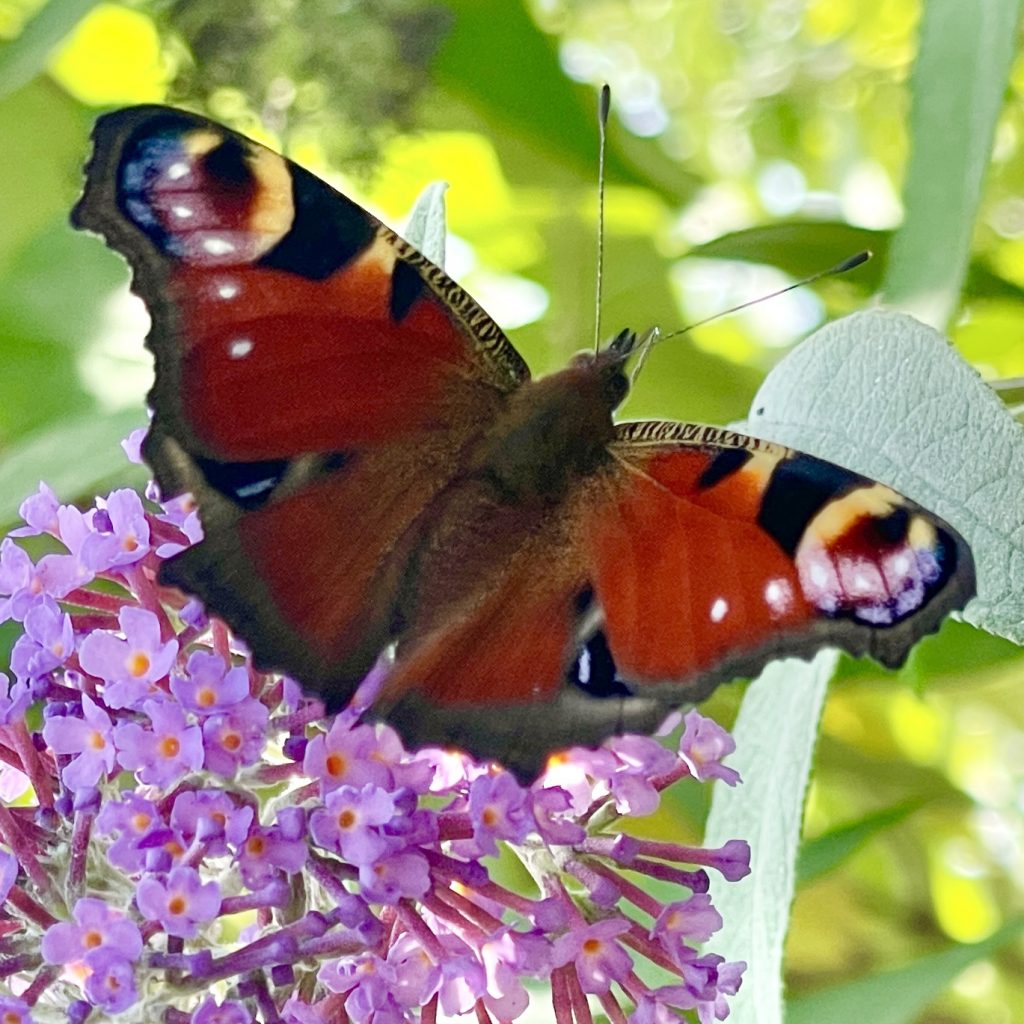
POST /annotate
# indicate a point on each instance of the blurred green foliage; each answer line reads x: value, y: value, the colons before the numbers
x: 751, y: 139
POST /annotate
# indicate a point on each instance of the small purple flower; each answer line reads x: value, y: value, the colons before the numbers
x: 133, y: 819
x: 209, y: 1011
x: 130, y: 667
x: 599, y: 958
x: 212, y: 817
x: 349, y: 822
x: 14, y: 1011
x: 14, y: 700
x: 404, y: 875
x: 8, y: 873
x: 345, y: 756
x: 181, y: 902
x: 499, y: 809
x: 39, y: 512
x: 235, y: 737
x: 209, y: 685
x: 552, y: 811
x: 96, y: 926
x: 162, y: 754
x: 694, y: 920
x: 124, y: 527
x: 111, y: 981
x: 89, y: 739
x: 20, y: 581
x: 266, y: 851
x: 48, y: 640
x: 132, y: 445
x: 505, y: 997
x: 703, y: 745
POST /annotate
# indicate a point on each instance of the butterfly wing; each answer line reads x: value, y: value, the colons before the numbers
x: 693, y: 556
x: 316, y: 379
x: 715, y: 552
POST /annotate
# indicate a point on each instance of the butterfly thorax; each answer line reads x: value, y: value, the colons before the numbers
x: 553, y: 431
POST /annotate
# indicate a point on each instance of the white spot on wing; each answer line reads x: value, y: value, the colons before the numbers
x: 217, y: 246
x: 240, y: 348
x: 718, y: 609
x: 778, y: 595
x: 177, y: 170
x: 228, y: 289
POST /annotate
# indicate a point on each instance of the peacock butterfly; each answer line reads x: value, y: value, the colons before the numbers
x: 377, y: 470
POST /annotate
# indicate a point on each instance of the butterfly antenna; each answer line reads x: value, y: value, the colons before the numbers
x: 604, y: 103
x: 840, y: 268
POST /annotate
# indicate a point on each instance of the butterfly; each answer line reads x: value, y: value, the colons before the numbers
x: 377, y: 471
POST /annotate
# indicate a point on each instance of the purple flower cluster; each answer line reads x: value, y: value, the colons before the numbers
x: 187, y: 836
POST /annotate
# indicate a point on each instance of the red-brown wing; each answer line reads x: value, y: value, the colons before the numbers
x: 713, y: 552
x: 316, y: 377
x: 485, y: 660
x: 694, y: 556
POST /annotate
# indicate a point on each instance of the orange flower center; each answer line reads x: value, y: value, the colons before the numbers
x: 231, y: 741
x: 92, y: 938
x: 169, y: 746
x: 177, y: 904
x: 336, y: 765
x: 347, y: 818
x: 138, y: 664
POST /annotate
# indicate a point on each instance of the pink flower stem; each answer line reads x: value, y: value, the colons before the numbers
x: 681, y: 770
x: 637, y: 939
x: 96, y: 600
x: 418, y: 928
x: 611, y: 1007
x: 428, y: 1015
x: 476, y: 914
x: 482, y: 1016
x: 271, y: 773
x: 561, y: 1001
x: 221, y: 639
x: 80, y: 834
x: 32, y: 764
x: 647, y: 903
x: 459, y: 924
x: 454, y: 825
x: 580, y: 1004
x: 22, y: 901
x: 697, y: 881
x: 15, y: 838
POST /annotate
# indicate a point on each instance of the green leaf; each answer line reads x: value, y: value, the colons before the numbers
x: 821, y: 855
x: 775, y: 736
x: 882, y: 394
x: 802, y: 248
x: 76, y: 457
x: 25, y: 57
x: 897, y: 996
x: 533, y: 100
x: 958, y: 88
x: 426, y: 225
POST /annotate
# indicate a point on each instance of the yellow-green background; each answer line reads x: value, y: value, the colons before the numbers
x: 776, y: 131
